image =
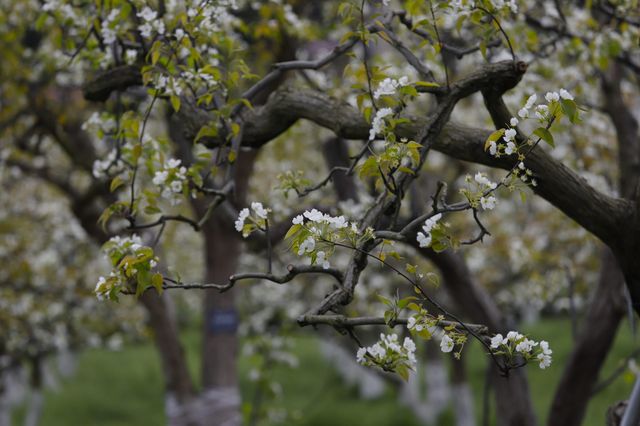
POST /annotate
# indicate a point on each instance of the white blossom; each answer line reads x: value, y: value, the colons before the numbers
x: 497, y: 340
x: 130, y: 56
x: 320, y: 260
x: 493, y: 148
x: 147, y: 14
x: 552, y: 97
x: 388, y: 86
x: 244, y: 214
x: 482, y: 179
x: 531, y: 101
x: 308, y: 245
x: 446, y: 344
x: 488, y: 203
x: 509, y: 135
x: 424, y: 239
x: 260, y: 211
x: 541, y: 111
x: 525, y: 346
x: 409, y: 344
x: 566, y: 95
x: 378, y: 122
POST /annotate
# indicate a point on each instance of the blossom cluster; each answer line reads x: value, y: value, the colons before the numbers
x: 171, y: 180
x: 111, y: 26
x: 378, y: 124
x: 314, y: 235
x: 479, y: 190
x: 541, y: 110
x: 150, y: 22
x: 425, y: 238
x: 252, y: 220
x: 133, y: 263
x: 101, y: 167
x: 516, y: 344
x: 503, y: 141
x: 389, y: 355
x: 425, y: 326
x: 388, y: 86
x: 464, y: 7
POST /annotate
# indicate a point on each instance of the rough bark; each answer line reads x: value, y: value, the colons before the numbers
x: 607, y: 307
x: 606, y: 310
x: 178, y: 382
x: 599, y: 213
x: 336, y: 154
x: 220, y: 340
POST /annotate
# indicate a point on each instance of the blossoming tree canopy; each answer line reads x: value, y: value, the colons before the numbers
x: 185, y: 94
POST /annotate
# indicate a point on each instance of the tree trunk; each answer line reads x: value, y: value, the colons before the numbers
x: 178, y: 383
x: 220, y: 341
x: 606, y: 310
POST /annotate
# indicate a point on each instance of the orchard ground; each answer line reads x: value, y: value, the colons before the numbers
x: 125, y: 387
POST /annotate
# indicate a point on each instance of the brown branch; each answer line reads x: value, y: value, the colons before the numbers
x: 292, y: 272
x: 117, y: 78
x: 597, y: 212
x: 341, y: 321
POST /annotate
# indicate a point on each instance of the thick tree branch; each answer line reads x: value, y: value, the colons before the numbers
x: 599, y: 213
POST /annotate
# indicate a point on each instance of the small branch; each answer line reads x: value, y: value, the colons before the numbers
x: 423, y: 71
x: 458, y: 52
x: 293, y: 271
x: 342, y: 321
x: 162, y: 220
x: 269, y: 251
x: 504, y: 33
x: 282, y: 67
x: 435, y: 27
x: 483, y: 230
x: 324, y: 181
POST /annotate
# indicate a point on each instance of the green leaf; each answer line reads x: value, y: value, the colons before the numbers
x: 384, y: 300
x: 403, y: 303
x: 292, y: 231
x: 570, y: 109
x: 175, y: 102
x: 523, y: 197
x: 414, y: 307
x: 206, y: 131
x: 156, y: 282
x: 116, y: 183
x: 545, y: 135
x: 426, y: 84
x: 403, y: 372
x: 438, y: 246
x: 493, y: 137
x: 369, y: 167
x: 136, y: 152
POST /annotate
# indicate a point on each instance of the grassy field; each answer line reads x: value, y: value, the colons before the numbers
x: 125, y: 387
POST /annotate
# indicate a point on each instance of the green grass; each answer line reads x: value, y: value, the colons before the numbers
x: 126, y: 387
